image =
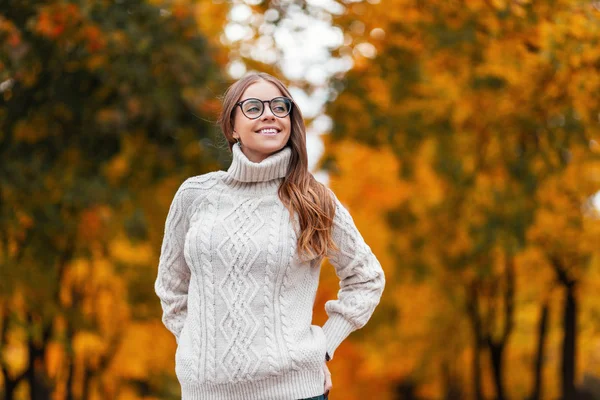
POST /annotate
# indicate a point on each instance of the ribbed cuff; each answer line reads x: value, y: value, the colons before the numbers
x: 336, y: 329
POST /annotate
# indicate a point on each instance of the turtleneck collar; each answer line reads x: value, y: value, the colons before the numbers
x: 273, y: 167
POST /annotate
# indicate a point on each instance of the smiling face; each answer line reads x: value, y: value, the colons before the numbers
x: 267, y: 134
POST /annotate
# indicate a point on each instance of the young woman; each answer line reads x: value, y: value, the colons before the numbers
x: 241, y: 256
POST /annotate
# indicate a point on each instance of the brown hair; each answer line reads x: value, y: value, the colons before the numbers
x: 299, y: 191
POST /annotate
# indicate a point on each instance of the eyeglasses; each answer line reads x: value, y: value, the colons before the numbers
x: 254, y: 108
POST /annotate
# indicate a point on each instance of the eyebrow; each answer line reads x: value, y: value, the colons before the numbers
x: 256, y: 98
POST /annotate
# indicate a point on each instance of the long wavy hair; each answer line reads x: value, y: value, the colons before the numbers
x: 299, y: 191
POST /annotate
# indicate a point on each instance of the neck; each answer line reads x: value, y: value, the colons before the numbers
x: 273, y: 167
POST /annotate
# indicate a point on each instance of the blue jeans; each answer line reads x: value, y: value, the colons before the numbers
x: 319, y: 397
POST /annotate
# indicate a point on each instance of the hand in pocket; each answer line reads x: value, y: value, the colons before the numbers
x: 328, y: 383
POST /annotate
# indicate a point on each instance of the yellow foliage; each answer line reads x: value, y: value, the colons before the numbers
x: 14, y: 351
x: 74, y: 277
x: 30, y: 130
x: 375, y: 177
x: 138, y: 254
x: 55, y: 359
x: 428, y: 187
x: 146, y: 348
x: 96, y: 61
x: 210, y: 17
x: 89, y: 347
x: 116, y: 168
x: 508, y: 89
x: 109, y: 116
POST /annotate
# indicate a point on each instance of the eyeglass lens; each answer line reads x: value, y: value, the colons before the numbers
x: 253, y: 108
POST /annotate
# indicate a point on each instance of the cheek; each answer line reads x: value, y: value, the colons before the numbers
x: 240, y: 124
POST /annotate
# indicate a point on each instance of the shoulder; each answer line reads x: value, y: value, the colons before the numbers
x: 339, y: 206
x: 195, y: 186
x: 202, y: 182
x: 342, y: 217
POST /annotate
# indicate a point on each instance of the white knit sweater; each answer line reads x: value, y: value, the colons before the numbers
x: 237, y: 297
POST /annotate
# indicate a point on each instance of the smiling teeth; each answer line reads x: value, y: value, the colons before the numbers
x: 268, y: 131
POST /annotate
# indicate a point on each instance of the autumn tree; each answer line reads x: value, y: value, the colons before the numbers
x: 486, y: 105
x: 106, y: 107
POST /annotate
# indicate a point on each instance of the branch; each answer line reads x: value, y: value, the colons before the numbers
x: 473, y: 311
x: 561, y: 271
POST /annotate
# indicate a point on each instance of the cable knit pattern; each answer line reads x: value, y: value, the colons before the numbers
x: 173, y: 278
x: 237, y: 298
x: 238, y: 253
x: 206, y: 281
x: 285, y: 307
x: 190, y: 361
x: 270, y: 280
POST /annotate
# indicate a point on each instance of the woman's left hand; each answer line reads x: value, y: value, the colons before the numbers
x: 328, y: 383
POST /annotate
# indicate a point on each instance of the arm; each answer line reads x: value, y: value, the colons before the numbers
x: 361, y: 281
x: 173, y: 277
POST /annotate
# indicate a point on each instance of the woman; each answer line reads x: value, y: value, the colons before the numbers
x: 241, y: 255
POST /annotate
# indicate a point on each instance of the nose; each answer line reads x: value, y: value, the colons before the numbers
x: 267, y: 113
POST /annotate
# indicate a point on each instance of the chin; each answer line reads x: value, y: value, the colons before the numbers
x: 270, y: 147
x: 271, y: 150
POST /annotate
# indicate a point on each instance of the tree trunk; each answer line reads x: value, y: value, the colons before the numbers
x: 35, y: 374
x: 539, y: 358
x: 87, y: 381
x: 567, y: 366
x: 496, y: 346
x: 568, y: 352
x: 9, y: 389
x: 496, y: 351
x: 405, y: 390
x: 451, y: 382
x: 70, y: 361
x: 473, y: 313
x: 477, y: 372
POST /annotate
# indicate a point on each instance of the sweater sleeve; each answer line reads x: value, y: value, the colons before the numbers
x: 361, y: 281
x: 173, y: 276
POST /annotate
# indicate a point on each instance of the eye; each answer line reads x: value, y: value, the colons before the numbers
x: 280, y: 106
x: 252, y: 107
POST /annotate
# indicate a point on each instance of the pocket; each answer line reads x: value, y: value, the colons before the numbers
x: 322, y: 341
x: 181, y: 336
x: 183, y: 356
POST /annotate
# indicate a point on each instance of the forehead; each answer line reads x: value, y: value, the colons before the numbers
x: 262, y: 90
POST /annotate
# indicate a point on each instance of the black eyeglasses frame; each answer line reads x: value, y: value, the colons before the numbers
x: 240, y: 103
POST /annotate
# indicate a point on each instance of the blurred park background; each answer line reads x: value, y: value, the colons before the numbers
x: 462, y: 135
